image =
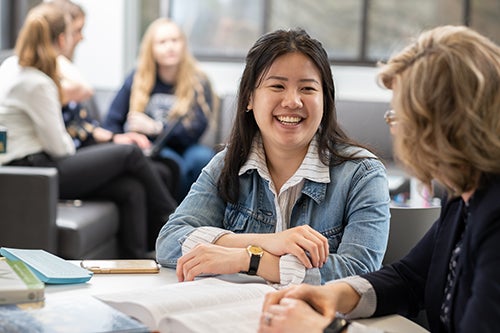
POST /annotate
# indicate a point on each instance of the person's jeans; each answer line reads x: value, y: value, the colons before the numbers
x: 190, y: 163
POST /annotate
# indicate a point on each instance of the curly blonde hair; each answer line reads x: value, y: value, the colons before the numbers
x: 189, y: 76
x: 447, y: 102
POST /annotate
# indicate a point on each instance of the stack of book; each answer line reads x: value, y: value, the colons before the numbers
x: 24, y: 274
x: 18, y: 284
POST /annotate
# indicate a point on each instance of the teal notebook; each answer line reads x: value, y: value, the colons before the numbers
x: 47, y: 267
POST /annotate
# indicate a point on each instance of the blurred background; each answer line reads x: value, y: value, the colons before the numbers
x: 356, y: 33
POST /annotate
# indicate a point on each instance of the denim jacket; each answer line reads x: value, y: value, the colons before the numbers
x: 352, y: 212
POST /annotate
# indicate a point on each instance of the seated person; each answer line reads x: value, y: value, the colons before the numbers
x: 445, y: 92
x: 313, y: 204
x: 167, y: 89
x: 81, y: 124
x: 30, y: 108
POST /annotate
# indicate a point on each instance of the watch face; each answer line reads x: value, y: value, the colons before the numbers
x: 255, y: 250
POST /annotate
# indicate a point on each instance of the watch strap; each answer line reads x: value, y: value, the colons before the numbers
x: 337, y: 325
x: 254, y: 264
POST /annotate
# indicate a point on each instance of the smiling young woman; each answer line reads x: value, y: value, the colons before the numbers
x: 290, y: 182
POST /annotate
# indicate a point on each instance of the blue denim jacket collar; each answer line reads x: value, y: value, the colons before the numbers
x: 256, y: 160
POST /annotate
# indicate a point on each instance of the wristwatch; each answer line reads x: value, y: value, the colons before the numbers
x: 255, y: 253
x: 337, y: 325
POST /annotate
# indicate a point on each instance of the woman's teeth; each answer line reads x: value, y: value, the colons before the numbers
x: 289, y: 119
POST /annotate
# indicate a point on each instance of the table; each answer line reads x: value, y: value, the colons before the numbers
x: 105, y: 283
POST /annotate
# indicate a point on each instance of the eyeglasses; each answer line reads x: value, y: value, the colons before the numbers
x: 390, y: 117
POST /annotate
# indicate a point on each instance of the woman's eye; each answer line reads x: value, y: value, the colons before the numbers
x: 309, y: 89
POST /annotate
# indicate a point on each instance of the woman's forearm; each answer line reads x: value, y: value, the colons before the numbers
x: 269, y: 263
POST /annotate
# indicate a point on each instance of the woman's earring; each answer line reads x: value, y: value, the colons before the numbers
x: 249, y: 110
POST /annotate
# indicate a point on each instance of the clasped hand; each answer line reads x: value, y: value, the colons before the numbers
x: 302, y: 308
x: 306, y: 307
x: 307, y: 244
x: 230, y: 255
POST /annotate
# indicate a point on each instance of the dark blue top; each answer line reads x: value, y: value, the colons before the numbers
x: 420, y: 277
x: 162, y: 98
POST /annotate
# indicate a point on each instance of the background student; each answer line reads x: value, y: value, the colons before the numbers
x: 167, y: 89
x: 30, y: 107
x: 446, y: 127
x: 313, y: 203
x: 83, y: 127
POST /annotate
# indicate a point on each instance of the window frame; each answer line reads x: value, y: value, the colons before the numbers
x: 362, y: 59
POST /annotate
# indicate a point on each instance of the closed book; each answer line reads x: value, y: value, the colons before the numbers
x: 48, y: 267
x: 18, y: 284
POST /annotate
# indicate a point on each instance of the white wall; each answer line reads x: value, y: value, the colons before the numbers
x: 105, y: 56
x: 100, y: 55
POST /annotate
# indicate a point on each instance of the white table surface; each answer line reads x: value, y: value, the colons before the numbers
x: 105, y: 283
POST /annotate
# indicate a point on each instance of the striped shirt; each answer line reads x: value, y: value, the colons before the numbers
x: 291, y: 269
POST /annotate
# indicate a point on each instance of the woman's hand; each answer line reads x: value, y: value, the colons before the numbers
x: 211, y: 259
x: 142, y: 123
x: 102, y: 135
x: 318, y: 297
x: 326, y: 299
x: 307, y: 244
x: 132, y: 138
x: 290, y: 316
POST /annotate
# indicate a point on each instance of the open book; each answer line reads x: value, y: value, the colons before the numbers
x: 206, y: 305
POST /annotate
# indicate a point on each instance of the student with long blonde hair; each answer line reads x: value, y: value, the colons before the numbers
x: 167, y: 90
x: 30, y: 108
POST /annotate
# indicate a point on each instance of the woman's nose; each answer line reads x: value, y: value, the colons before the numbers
x: 292, y: 99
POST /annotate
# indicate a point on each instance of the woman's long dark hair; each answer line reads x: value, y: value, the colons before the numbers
x: 258, y: 61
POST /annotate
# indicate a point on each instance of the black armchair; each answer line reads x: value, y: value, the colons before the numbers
x: 31, y: 216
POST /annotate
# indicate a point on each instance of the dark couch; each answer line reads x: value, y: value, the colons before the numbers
x: 33, y: 217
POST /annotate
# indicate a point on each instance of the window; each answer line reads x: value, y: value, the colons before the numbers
x: 337, y: 24
x: 357, y: 32
x: 392, y: 22
x: 220, y: 28
x: 354, y: 31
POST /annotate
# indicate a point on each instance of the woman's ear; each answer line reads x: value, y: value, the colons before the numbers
x: 61, y: 42
x: 250, y: 102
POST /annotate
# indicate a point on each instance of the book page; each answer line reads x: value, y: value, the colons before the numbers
x: 241, y: 317
x: 151, y: 305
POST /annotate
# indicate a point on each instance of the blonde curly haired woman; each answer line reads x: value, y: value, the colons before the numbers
x: 446, y: 127
x: 167, y: 90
